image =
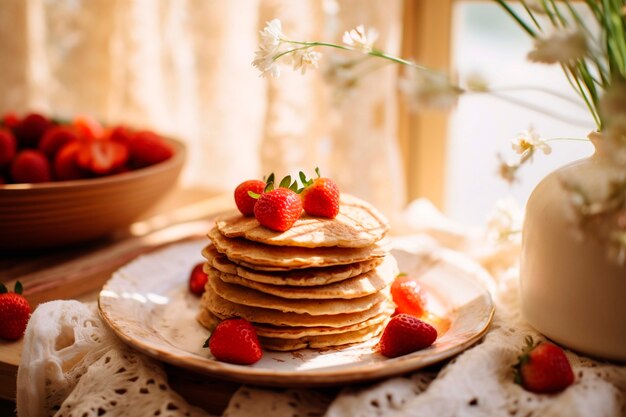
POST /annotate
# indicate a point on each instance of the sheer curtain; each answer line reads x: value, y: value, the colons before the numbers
x: 183, y: 67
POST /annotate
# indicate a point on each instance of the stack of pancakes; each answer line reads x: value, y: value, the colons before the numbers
x: 322, y: 283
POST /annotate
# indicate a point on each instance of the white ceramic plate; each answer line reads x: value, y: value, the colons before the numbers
x: 147, y: 304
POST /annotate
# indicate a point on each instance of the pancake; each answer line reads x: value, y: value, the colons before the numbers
x: 223, y: 309
x: 294, y: 277
x: 209, y: 320
x: 358, y: 225
x: 252, y: 298
x: 360, y: 286
x: 258, y: 255
x: 322, y: 341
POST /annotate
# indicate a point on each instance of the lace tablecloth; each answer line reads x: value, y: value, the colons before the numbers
x: 72, y: 365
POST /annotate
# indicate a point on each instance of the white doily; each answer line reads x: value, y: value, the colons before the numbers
x: 73, y: 366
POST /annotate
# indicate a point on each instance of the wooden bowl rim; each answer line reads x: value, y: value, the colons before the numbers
x: 177, y: 159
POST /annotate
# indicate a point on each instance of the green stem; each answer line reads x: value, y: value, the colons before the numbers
x: 518, y: 19
x: 553, y: 93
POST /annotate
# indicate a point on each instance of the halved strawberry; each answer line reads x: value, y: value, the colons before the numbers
x: 102, y: 157
x: 235, y: 341
x: 408, y: 296
x: 55, y: 138
x: 30, y: 166
x: 8, y: 147
x: 147, y: 148
x: 66, y: 166
x: 88, y: 127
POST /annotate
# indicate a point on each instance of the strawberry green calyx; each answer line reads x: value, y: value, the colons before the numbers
x: 19, y: 288
x: 3, y: 289
x: 523, y: 358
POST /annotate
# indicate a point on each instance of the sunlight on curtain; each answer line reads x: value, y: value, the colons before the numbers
x: 183, y: 67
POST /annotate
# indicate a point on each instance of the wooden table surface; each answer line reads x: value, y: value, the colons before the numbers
x: 80, y: 272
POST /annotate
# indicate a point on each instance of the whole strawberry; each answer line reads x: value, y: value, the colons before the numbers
x: 55, y: 138
x: 408, y: 296
x: 197, y: 279
x: 320, y: 197
x: 405, y: 334
x: 30, y: 166
x: 245, y: 203
x: 14, y: 312
x: 235, y: 341
x: 278, y: 209
x: 30, y: 129
x: 543, y: 368
x: 8, y: 147
x: 147, y: 148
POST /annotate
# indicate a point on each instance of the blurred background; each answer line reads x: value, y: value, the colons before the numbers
x: 183, y: 67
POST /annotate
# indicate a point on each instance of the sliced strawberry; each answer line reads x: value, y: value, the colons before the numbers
x: 66, y: 166
x: 408, y: 296
x: 30, y: 130
x: 244, y: 202
x: 88, y: 127
x: 406, y: 334
x: 55, y: 138
x: 197, y: 279
x: 8, y: 147
x: 148, y: 148
x: 30, y: 166
x: 235, y: 341
x: 102, y: 157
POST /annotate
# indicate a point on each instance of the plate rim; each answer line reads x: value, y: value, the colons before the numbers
x: 301, y: 378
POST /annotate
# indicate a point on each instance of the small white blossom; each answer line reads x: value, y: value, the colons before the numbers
x: 305, y: 58
x: 264, y: 62
x: 563, y: 46
x: 505, y: 222
x: 528, y: 142
x: 428, y: 89
x: 359, y: 39
x: 272, y: 35
x: 507, y: 170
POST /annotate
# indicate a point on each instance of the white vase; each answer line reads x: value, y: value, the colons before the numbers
x: 570, y: 290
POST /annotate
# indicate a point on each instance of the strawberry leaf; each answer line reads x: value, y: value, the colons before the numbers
x: 317, y: 171
x: 3, y: 289
x: 303, y: 179
x: 206, y: 343
x: 269, y: 185
x: 294, y: 187
x: 19, y: 288
x: 254, y: 195
x: 285, y: 182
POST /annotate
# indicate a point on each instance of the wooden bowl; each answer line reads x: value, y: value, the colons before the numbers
x: 60, y: 213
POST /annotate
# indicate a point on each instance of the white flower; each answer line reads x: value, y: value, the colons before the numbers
x: 305, y: 58
x: 359, y: 39
x: 272, y: 35
x: 428, y: 89
x: 505, y: 222
x: 529, y: 141
x: 563, y: 47
x: 264, y: 62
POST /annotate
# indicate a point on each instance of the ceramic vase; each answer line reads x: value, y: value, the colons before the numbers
x: 571, y: 290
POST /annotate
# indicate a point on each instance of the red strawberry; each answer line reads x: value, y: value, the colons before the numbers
x: 408, y: 296
x: 278, y: 209
x: 66, y: 167
x: 244, y: 202
x: 543, y: 368
x: 30, y: 130
x: 235, y: 341
x: 197, y: 279
x: 30, y: 166
x: 8, y: 146
x: 10, y: 120
x: 14, y: 312
x: 121, y: 134
x: 55, y: 138
x: 88, y: 127
x: 147, y: 148
x: 320, y: 197
x: 405, y: 334
x: 102, y: 157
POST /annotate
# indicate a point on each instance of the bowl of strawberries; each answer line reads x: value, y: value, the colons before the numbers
x: 68, y: 181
